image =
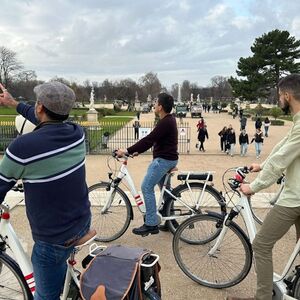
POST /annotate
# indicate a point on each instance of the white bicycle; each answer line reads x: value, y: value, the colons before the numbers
x: 214, y: 251
x: 16, y: 273
x: 112, y: 211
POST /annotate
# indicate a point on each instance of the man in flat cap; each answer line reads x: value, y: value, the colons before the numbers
x: 51, y: 163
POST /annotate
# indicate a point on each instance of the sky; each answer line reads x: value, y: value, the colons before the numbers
x: 178, y: 40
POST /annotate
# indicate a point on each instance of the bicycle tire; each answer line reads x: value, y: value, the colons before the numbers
x: 114, y: 223
x: 227, y: 267
x: 211, y: 201
x: 13, y: 284
x: 150, y: 294
x: 295, y: 292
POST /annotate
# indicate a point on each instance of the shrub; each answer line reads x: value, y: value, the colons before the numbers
x: 275, y: 112
x: 277, y: 122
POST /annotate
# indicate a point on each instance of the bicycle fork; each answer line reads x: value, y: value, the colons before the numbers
x: 228, y: 218
x: 220, y: 237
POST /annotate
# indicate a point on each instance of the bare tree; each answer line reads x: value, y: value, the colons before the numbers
x: 150, y: 84
x: 9, y: 65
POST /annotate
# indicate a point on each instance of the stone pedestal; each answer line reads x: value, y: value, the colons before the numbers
x: 92, y: 116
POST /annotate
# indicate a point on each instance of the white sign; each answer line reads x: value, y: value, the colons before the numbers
x: 143, y: 132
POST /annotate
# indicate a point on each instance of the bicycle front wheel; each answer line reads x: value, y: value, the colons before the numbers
x: 113, y: 223
x: 191, y: 194
x: 227, y: 266
x: 12, y: 282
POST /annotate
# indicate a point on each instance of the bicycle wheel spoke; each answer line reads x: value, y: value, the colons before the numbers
x: 227, y: 266
x: 196, y: 201
x: 12, y: 284
x: 111, y: 224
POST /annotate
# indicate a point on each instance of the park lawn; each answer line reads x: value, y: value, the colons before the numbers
x: 107, y: 126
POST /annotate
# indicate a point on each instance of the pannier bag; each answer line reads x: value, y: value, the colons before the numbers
x: 118, y: 269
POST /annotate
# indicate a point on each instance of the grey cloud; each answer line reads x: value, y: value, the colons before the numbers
x: 187, y: 39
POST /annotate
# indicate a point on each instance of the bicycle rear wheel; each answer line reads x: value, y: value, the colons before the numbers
x: 228, y: 266
x: 12, y: 282
x: 190, y: 195
x: 113, y: 223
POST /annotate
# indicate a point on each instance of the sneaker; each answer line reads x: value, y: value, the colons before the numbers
x: 144, y: 230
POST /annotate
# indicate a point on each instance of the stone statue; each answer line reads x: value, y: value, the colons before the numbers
x: 92, y: 100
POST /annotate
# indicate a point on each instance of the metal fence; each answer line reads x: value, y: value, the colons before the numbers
x: 107, y: 136
x: 114, y: 136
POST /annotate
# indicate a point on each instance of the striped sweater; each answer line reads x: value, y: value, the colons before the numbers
x: 51, y: 163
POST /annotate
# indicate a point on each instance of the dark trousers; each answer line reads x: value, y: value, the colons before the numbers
x: 201, y: 147
x: 136, y: 133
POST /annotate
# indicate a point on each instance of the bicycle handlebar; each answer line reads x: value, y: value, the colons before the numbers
x: 126, y: 155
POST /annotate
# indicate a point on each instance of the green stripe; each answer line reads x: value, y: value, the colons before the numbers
x: 10, y: 168
x: 55, y: 164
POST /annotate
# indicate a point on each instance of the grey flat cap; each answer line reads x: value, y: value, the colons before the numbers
x: 56, y: 97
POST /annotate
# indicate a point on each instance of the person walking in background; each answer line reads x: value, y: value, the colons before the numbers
x: 258, y: 139
x: 202, y: 134
x: 138, y: 114
x: 200, y: 124
x: 231, y: 139
x: 223, y: 134
x: 266, y: 126
x: 244, y: 142
x: 243, y: 122
x: 258, y: 123
x: 136, y: 125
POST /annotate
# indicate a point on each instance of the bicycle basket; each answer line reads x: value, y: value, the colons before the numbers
x: 118, y: 269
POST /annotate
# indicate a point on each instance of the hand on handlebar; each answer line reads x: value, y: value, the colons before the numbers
x: 121, y: 153
x: 245, y: 189
x: 254, y: 167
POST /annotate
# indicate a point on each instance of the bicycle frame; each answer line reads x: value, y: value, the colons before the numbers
x: 124, y: 174
x: 72, y: 273
x: 8, y: 235
x: 243, y: 207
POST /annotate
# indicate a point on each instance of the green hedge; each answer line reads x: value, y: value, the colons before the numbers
x: 277, y: 122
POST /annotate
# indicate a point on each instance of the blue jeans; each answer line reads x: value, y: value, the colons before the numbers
x: 258, y: 147
x: 155, y: 175
x: 244, y: 148
x: 49, y: 267
x: 266, y: 130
